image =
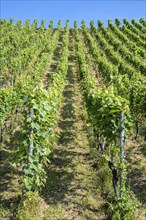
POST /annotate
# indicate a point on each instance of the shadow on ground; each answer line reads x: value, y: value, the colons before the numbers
x: 9, y: 186
x: 137, y: 171
x: 138, y: 184
x: 59, y: 178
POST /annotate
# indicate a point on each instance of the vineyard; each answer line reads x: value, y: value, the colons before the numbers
x: 73, y: 120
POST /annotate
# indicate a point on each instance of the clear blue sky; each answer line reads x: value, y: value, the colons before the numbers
x: 73, y: 10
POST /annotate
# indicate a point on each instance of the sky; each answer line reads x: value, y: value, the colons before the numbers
x: 72, y: 10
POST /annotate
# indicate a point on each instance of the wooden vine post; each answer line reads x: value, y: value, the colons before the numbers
x: 122, y: 116
x: 145, y: 134
x: 1, y: 134
x: 12, y: 121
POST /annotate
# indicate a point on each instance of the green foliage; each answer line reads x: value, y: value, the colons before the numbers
x: 117, y: 55
x: 20, y: 63
x: 117, y: 22
x: 122, y: 208
x: 10, y: 98
x: 100, y: 24
x: 43, y: 137
x: 104, y: 107
x: 31, y: 207
x: 36, y: 146
x: 142, y: 21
